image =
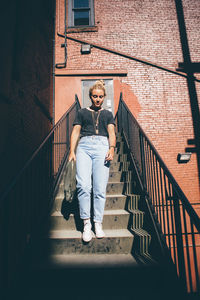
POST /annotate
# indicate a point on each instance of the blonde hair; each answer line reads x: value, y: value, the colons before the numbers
x: 99, y: 85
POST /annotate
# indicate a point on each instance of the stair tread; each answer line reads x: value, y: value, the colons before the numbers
x: 59, y: 196
x: 106, y: 212
x: 115, y: 195
x: 118, y: 182
x: 71, y: 234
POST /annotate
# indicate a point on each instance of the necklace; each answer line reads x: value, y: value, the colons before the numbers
x: 95, y: 118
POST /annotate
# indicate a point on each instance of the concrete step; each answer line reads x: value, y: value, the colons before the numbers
x: 115, y: 188
x: 121, y: 176
x: 115, y: 166
x: 115, y: 176
x: 114, y: 201
x: 121, y: 188
x: 113, y: 219
x: 70, y: 242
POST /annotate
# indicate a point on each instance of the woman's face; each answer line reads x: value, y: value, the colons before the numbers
x: 97, y: 97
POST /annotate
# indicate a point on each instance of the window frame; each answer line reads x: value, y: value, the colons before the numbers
x: 71, y: 10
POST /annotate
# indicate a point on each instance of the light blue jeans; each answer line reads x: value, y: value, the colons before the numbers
x: 92, y: 171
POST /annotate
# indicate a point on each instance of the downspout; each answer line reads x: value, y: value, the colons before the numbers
x: 63, y: 65
x: 53, y: 73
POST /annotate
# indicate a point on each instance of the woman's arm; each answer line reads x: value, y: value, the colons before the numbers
x: 112, y: 142
x: 73, y: 141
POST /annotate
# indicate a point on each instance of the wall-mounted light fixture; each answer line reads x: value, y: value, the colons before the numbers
x: 85, y: 49
x: 183, y: 158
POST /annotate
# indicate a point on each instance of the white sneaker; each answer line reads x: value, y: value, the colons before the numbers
x: 98, y: 230
x: 87, y: 233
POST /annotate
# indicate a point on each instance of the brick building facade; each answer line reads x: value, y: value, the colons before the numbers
x: 159, y: 100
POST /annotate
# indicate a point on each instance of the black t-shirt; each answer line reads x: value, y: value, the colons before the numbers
x: 87, y: 121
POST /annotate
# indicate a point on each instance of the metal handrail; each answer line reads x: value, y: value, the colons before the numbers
x: 26, y: 203
x: 173, y: 214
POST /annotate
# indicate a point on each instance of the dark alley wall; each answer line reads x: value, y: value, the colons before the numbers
x: 25, y: 80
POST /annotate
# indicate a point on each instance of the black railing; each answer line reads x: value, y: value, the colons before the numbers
x: 174, y: 216
x: 27, y: 202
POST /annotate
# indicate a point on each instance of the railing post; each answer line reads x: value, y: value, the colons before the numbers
x: 78, y: 106
x: 142, y: 152
x: 128, y: 131
x: 179, y: 241
x: 120, y: 109
x: 67, y: 132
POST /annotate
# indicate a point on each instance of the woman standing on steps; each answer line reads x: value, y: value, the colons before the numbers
x: 95, y: 150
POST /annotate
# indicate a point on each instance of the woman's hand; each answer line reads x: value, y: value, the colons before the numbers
x: 72, y: 156
x: 112, y: 142
x: 110, y: 154
x: 73, y: 141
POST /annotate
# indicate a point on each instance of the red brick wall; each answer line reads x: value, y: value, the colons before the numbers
x: 148, y: 30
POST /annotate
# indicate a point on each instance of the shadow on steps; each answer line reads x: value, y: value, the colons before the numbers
x: 120, y: 283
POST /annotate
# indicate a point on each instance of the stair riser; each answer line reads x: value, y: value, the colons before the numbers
x: 111, y: 203
x: 115, y: 176
x: 121, y: 188
x: 115, y: 188
x: 115, y: 166
x: 115, y: 202
x: 115, y: 245
x: 109, y: 222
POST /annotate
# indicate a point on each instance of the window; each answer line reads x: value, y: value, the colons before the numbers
x: 80, y: 13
